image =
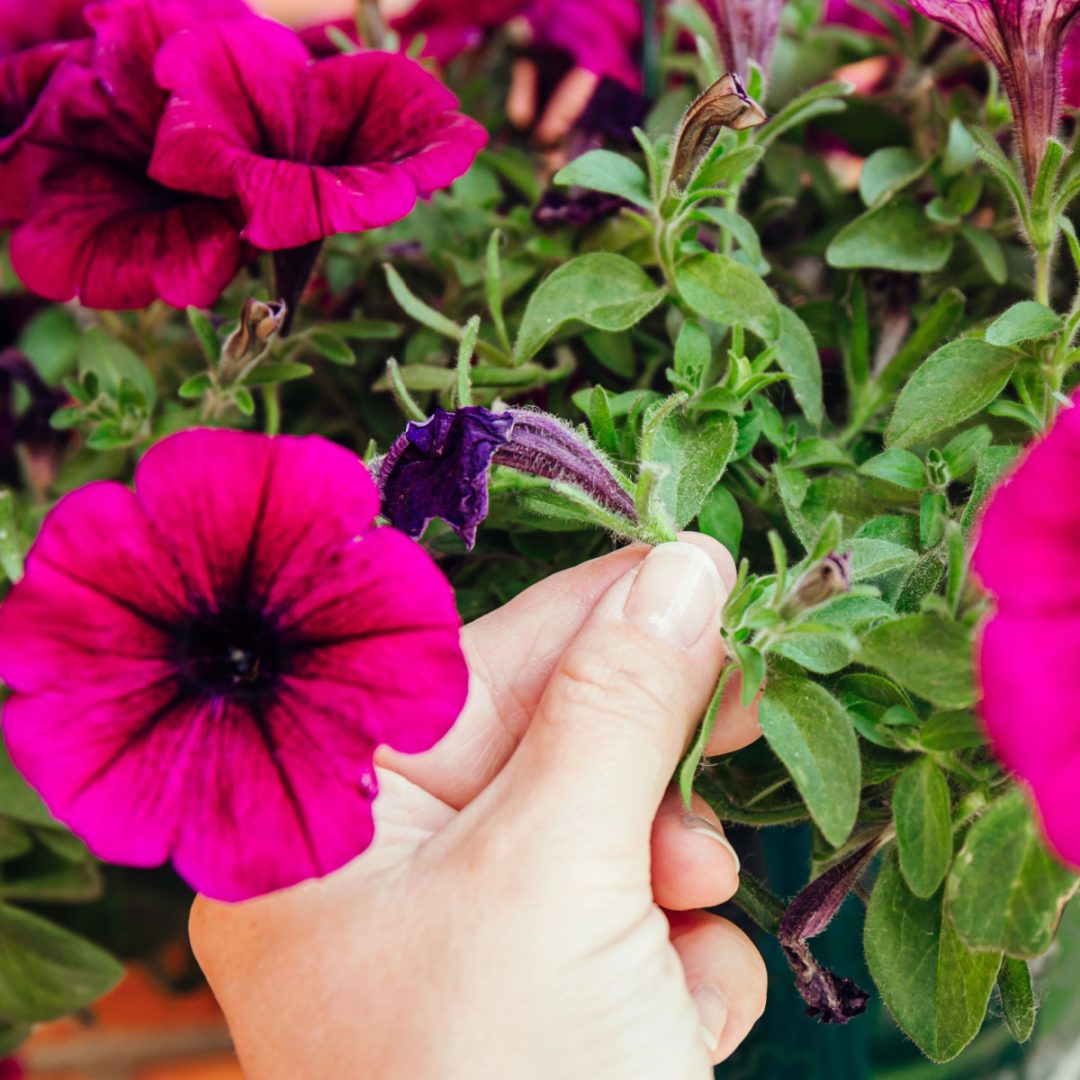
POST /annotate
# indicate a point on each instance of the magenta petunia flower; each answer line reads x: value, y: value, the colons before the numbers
x: 844, y: 13
x: 1027, y: 555
x: 1070, y: 71
x: 98, y: 228
x: 325, y: 146
x: 601, y: 36
x: 1024, y: 40
x: 203, y: 668
x: 746, y: 30
x: 26, y: 23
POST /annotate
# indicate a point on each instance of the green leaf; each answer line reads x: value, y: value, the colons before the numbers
x: 958, y: 730
x: 696, y: 454
x: 47, y: 972
x: 602, y: 290
x: 51, y: 341
x: 797, y: 354
x: 112, y: 362
x: 957, y: 381
x: 602, y: 170
x: 1025, y: 321
x: 874, y: 558
x: 330, y: 346
x: 988, y: 251
x: 721, y: 518
x: 1017, y: 998
x: 811, y: 733
x: 922, y: 811
x: 935, y: 988
x: 278, y: 373
x: 1006, y: 891
x: 962, y: 453
x: 743, y: 232
x: 208, y: 338
x: 961, y: 151
x: 819, y: 100
x: 693, y: 353
x: 927, y: 655
x: 822, y: 653
x: 895, y: 236
x: 17, y: 799
x: 900, y: 467
x: 196, y: 386
x: 991, y: 465
x: 887, y: 171
x: 412, y: 305
x: 14, y: 839
x: 727, y: 292
x: 243, y: 400
x: 731, y: 166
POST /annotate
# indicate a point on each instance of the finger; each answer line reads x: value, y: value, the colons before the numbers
x: 621, y: 704
x: 511, y: 654
x: 524, y: 88
x: 693, y: 862
x: 566, y: 105
x: 736, y: 724
x: 725, y: 975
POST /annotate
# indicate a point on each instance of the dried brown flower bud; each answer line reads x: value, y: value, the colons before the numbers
x: 724, y: 104
x: 824, y: 580
x: 259, y: 322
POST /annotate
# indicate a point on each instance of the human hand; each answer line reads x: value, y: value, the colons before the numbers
x: 531, y: 904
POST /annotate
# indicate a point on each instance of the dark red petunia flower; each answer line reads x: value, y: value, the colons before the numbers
x: 318, y: 147
x: 202, y: 668
x: 23, y: 77
x: 98, y: 228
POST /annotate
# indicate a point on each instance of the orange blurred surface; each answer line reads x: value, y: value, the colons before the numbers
x: 140, y: 1031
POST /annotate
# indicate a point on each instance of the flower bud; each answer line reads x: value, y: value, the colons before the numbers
x: 832, y: 998
x: 821, y: 582
x: 439, y: 468
x: 259, y: 322
x: 724, y: 104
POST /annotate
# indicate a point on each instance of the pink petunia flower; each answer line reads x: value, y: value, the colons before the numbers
x: 601, y: 36
x: 1024, y: 40
x: 323, y: 147
x: 203, y: 668
x: 746, y: 31
x: 98, y: 228
x: 1027, y: 555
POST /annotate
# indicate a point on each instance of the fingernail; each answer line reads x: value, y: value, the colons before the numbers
x: 676, y: 594
x: 704, y: 827
x: 713, y: 1009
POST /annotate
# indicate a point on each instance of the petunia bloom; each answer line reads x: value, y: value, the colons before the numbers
x: 98, y: 228
x: 317, y: 148
x: 439, y: 469
x: 203, y: 667
x: 844, y: 13
x: 1027, y: 555
x: 601, y: 36
x: 746, y: 31
x: 26, y: 23
x: 1024, y: 40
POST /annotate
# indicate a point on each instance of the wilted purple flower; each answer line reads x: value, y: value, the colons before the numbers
x: 1024, y: 40
x: 439, y: 469
x: 832, y: 998
x: 746, y: 30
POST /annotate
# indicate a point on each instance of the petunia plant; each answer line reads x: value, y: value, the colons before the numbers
x: 315, y: 343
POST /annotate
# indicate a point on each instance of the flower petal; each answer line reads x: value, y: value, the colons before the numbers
x: 268, y: 805
x: 99, y: 587
x: 1031, y: 683
x: 249, y: 515
x: 1026, y: 550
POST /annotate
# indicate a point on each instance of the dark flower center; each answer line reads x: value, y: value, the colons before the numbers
x: 237, y: 652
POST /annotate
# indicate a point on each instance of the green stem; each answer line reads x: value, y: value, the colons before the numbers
x: 763, y: 906
x: 1042, y: 276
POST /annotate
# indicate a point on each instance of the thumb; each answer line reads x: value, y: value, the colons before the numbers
x: 624, y: 698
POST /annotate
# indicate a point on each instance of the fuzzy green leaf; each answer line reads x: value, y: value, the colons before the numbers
x: 894, y: 236
x: 602, y: 170
x: 727, y: 292
x: 922, y: 812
